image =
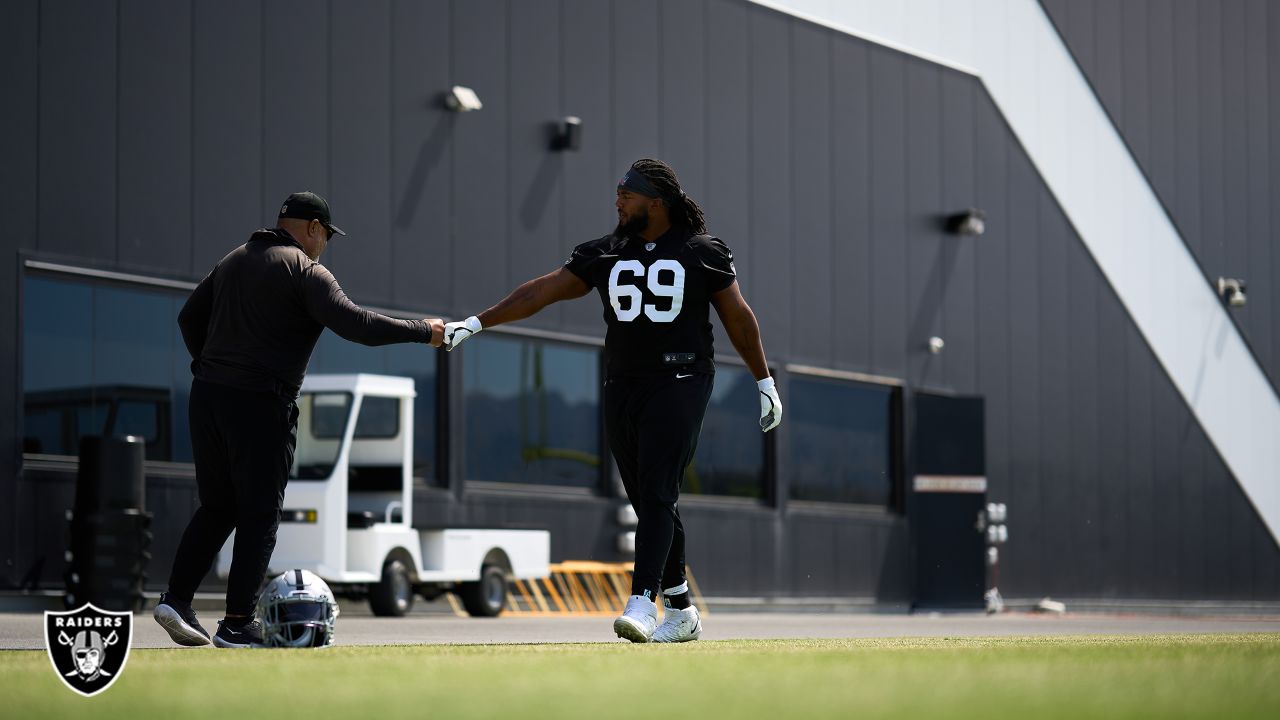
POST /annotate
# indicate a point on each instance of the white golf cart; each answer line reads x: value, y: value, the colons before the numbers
x: 348, y: 508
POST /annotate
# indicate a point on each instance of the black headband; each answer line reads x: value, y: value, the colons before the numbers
x: 636, y: 182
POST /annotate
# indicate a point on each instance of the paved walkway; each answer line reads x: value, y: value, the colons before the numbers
x: 24, y: 630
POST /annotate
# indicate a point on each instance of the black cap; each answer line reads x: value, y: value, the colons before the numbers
x: 308, y: 206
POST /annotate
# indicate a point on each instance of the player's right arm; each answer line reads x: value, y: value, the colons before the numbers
x: 521, y: 303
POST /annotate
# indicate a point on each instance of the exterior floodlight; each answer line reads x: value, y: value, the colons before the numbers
x: 462, y: 99
x: 568, y: 134
x: 969, y: 222
x: 1232, y: 291
x: 936, y: 344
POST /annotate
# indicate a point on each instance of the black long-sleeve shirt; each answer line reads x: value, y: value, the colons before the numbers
x: 253, y: 321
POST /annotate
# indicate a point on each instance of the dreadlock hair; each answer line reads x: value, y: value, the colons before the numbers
x: 684, y: 211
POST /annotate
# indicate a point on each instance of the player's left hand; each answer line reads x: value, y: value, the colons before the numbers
x: 770, y: 405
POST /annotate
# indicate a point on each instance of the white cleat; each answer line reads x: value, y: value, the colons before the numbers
x: 679, y: 626
x: 637, y: 622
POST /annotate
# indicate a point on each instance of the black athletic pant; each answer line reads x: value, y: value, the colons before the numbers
x: 243, y: 444
x: 653, y: 425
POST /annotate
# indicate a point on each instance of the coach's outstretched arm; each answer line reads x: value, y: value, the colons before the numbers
x: 524, y: 301
x: 744, y: 332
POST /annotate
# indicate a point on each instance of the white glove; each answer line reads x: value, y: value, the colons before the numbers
x: 770, y: 405
x: 456, y: 332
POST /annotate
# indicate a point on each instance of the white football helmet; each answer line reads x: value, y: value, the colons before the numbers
x: 297, y: 609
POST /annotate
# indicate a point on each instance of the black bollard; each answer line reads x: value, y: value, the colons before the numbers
x: 110, y: 530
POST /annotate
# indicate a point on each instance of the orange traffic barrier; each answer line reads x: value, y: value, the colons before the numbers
x: 577, y: 587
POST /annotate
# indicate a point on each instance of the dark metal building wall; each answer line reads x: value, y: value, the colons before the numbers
x: 825, y: 161
x: 1193, y: 88
x: 19, y: 129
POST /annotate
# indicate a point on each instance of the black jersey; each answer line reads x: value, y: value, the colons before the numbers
x: 657, y: 299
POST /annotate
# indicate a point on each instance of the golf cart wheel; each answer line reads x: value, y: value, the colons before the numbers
x: 487, y: 596
x: 393, y: 595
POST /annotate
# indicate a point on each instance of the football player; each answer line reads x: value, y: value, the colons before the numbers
x: 658, y: 274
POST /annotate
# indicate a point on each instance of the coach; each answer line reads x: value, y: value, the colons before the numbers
x: 250, y: 326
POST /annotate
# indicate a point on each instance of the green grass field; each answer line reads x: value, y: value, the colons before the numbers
x: 1220, y: 676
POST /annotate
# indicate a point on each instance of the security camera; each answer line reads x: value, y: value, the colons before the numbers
x: 1232, y: 291
x: 462, y: 99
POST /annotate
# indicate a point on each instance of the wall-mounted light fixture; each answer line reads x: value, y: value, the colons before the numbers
x: 568, y: 135
x: 462, y: 99
x: 1231, y: 290
x: 969, y: 222
x: 936, y: 344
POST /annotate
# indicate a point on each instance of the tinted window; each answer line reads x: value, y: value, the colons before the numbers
x: 730, y: 457
x: 100, y: 359
x: 532, y: 412
x: 322, y: 421
x: 379, y: 418
x: 842, y: 441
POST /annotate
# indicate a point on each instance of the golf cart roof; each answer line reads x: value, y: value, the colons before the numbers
x: 361, y: 384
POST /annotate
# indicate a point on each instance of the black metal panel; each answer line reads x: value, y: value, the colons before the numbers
x: 359, y: 111
x: 1236, y: 156
x: 1266, y: 566
x: 1192, y: 452
x: 731, y: 550
x: 1057, y: 484
x: 929, y: 257
x: 227, y: 127
x: 851, y: 192
x: 635, y: 82
x: 535, y: 172
x: 769, y: 201
x: 1272, y: 209
x: 812, y: 574
x: 591, y: 173
x: 77, y: 158
x: 1167, y: 560
x: 1083, y: 513
x: 1257, y: 188
x: 421, y: 133
x: 991, y: 176
x: 1114, y: 430
x: 1025, y: 558
x: 810, y: 325
x: 154, y: 134
x: 296, y: 123
x: 728, y: 174
x: 1132, y: 73
x: 18, y: 130
x: 888, y: 212
x: 1139, y: 478
x: 1217, y: 514
x: 959, y: 191
x: 1185, y: 198
x: 480, y: 157
x: 1162, y: 158
x: 682, y: 90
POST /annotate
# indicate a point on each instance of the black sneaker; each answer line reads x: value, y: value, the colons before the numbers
x: 179, y: 620
x: 238, y: 634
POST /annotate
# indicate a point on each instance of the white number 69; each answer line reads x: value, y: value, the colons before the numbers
x: 653, y: 279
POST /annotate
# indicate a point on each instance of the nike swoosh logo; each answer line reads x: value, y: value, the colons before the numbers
x: 681, y: 377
